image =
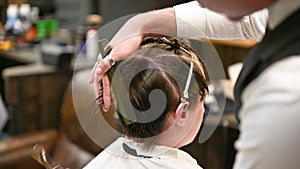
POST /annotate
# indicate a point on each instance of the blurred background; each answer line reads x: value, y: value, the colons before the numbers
x: 39, y: 41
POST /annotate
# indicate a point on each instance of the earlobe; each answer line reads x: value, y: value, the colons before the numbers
x: 181, y: 113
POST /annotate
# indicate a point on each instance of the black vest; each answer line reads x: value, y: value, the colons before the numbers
x: 282, y: 42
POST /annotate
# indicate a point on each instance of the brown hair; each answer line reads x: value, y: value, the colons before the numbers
x: 165, y: 62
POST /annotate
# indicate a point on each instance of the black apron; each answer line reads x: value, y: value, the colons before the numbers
x: 280, y: 43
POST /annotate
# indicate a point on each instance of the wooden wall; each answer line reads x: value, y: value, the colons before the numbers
x: 34, y: 96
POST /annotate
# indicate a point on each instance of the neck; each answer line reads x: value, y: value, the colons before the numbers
x: 170, y: 137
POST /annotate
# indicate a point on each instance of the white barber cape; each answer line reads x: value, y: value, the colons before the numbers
x: 127, y: 154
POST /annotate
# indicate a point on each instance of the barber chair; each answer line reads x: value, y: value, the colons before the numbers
x: 68, y: 146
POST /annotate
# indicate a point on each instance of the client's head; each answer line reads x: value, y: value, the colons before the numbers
x: 172, y: 68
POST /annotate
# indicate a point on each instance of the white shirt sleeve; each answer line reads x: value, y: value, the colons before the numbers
x: 214, y: 25
x: 270, y: 115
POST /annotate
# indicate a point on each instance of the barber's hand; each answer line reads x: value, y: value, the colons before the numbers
x: 125, y: 42
x: 99, y: 78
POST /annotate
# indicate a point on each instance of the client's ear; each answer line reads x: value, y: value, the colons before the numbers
x: 181, y: 113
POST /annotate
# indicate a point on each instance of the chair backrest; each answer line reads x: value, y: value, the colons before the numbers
x: 71, y: 127
x: 80, y: 104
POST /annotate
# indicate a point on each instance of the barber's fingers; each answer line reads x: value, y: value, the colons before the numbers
x: 102, y: 90
x: 107, y: 98
x: 119, y: 52
x: 96, y: 66
x: 92, y: 76
x: 98, y: 89
x: 104, y: 66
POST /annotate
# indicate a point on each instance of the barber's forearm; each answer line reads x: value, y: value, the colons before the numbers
x: 160, y: 22
x: 154, y: 23
x: 193, y: 20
